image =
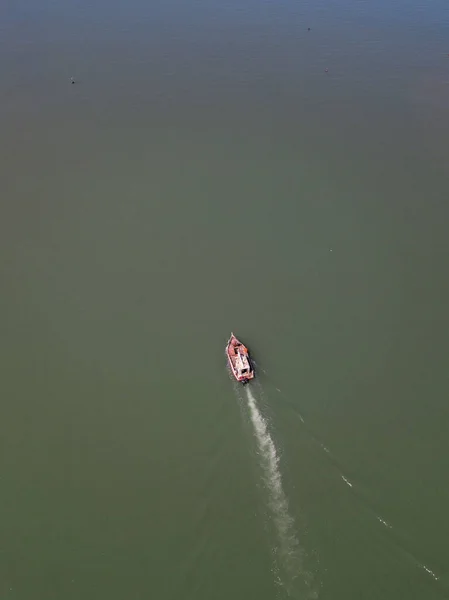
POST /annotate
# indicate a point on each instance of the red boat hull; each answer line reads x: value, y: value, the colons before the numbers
x: 239, y: 360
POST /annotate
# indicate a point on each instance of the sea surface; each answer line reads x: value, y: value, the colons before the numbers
x: 275, y: 169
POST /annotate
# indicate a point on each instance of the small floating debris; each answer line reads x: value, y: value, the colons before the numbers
x: 72, y: 80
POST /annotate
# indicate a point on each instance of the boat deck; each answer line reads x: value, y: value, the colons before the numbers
x: 239, y: 360
x: 233, y: 353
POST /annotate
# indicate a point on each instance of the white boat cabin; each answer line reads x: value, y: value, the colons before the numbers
x: 242, y: 365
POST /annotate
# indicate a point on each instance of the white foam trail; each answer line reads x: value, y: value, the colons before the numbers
x: 430, y: 572
x: 384, y: 523
x: 288, y: 552
x: 349, y: 484
x: 346, y: 481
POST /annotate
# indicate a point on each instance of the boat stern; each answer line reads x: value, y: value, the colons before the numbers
x: 244, y: 379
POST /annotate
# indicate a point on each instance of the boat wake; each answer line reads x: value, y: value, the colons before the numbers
x: 288, y: 555
x: 402, y: 546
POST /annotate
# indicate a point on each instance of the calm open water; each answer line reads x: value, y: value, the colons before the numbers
x: 216, y: 167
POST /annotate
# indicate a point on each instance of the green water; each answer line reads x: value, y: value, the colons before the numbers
x: 206, y: 174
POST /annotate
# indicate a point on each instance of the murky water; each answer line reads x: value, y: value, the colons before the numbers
x: 220, y: 167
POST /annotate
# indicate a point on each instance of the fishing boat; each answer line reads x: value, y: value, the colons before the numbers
x: 239, y: 360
